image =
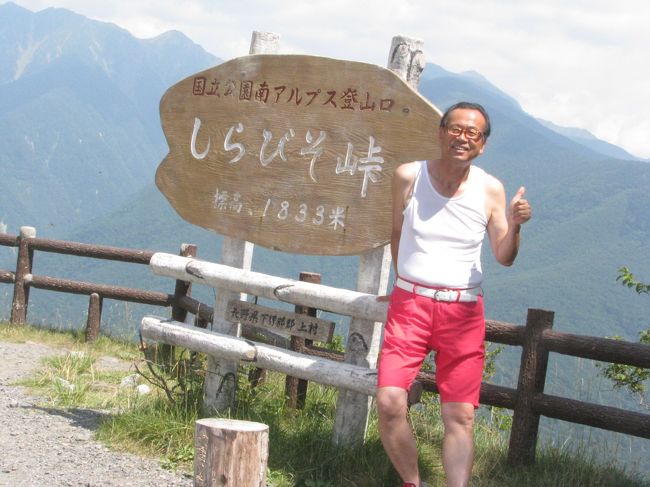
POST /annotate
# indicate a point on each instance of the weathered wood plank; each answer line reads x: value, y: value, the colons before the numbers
x: 9, y: 240
x: 596, y: 415
x: 320, y: 137
x: 505, y: 333
x: 295, y: 389
x: 106, y: 291
x: 204, y: 312
x: 596, y: 348
x: 7, y: 277
x: 182, y: 289
x: 327, y: 298
x: 221, y: 380
x: 364, y: 339
x: 327, y: 372
x: 119, y: 254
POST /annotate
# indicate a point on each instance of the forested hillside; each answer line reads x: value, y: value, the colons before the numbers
x: 79, y: 125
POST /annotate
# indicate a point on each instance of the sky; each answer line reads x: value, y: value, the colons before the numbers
x: 576, y: 63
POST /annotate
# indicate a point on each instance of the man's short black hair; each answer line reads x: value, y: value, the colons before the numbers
x: 469, y: 106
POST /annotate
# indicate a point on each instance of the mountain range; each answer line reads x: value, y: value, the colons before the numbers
x: 79, y: 126
x: 80, y: 140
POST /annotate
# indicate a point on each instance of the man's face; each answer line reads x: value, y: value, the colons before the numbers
x: 462, y: 138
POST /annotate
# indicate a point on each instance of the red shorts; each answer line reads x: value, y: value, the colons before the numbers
x: 455, y: 331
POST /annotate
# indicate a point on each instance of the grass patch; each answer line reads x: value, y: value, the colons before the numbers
x: 301, y: 450
x: 70, y: 377
x: 25, y: 333
x: 72, y: 380
x: 301, y: 454
x: 69, y: 339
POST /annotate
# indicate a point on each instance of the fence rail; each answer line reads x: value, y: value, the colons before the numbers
x: 24, y: 280
x: 7, y: 277
x: 106, y: 291
x: 536, y: 338
x: 92, y: 251
x: 595, y: 348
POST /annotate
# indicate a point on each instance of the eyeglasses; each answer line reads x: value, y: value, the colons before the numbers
x: 471, y: 133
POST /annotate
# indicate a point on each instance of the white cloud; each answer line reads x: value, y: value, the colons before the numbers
x: 581, y: 63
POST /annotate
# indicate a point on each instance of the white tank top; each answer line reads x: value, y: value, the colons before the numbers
x: 441, y: 239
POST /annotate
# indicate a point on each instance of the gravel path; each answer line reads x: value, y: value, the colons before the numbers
x: 44, y: 447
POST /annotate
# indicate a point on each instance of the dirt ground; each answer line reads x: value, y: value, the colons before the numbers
x: 40, y: 446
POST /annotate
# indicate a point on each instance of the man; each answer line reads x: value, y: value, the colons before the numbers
x: 442, y: 209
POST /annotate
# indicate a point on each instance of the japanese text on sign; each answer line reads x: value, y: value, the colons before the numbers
x: 290, y: 323
x: 301, y: 213
x: 370, y: 164
x: 345, y: 99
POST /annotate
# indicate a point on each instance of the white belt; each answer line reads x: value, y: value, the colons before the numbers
x: 449, y: 295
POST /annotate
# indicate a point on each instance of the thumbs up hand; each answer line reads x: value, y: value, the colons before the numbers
x: 520, y: 211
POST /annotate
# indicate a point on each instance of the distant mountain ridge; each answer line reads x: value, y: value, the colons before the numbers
x: 79, y: 121
x: 581, y: 136
x: 588, y: 139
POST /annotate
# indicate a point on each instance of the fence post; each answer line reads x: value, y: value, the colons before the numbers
x: 94, y: 320
x: 256, y: 376
x: 183, y: 288
x: 23, y: 267
x: 296, y: 389
x: 362, y: 348
x: 532, y: 376
x: 164, y: 352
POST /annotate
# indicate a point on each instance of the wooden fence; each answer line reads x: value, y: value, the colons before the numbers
x: 23, y: 279
x: 537, y: 339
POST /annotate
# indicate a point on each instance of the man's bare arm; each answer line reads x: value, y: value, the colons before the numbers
x: 402, y: 189
x: 504, y: 225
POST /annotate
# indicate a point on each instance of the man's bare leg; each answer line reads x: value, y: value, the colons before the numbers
x: 458, y: 442
x: 396, y: 433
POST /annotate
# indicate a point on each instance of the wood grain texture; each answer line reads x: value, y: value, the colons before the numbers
x: 230, y: 452
x: 292, y: 152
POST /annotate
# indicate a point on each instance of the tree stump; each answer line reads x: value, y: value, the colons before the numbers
x: 230, y: 453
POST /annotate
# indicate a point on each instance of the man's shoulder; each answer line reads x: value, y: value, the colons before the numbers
x: 408, y: 170
x: 493, y: 186
x: 492, y: 182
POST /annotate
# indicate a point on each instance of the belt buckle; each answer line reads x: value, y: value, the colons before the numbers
x: 445, y: 295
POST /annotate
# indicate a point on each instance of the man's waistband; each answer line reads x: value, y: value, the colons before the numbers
x: 448, y: 295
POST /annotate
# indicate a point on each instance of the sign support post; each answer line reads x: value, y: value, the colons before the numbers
x: 364, y: 338
x: 221, y: 377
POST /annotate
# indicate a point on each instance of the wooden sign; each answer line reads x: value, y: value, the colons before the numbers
x: 295, y: 324
x: 294, y: 153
